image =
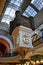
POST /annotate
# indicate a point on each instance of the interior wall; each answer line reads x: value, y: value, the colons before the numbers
x: 2, y: 4
x: 38, y: 19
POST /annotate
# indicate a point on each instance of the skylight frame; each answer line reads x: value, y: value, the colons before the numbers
x: 30, y: 11
x: 38, y: 4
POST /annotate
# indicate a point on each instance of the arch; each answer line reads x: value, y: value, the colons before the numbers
x: 7, y: 42
x: 3, y: 41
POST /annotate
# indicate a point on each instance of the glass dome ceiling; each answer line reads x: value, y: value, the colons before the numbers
x: 14, y: 5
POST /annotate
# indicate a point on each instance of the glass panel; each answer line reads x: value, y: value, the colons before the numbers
x: 30, y: 11
x: 12, y: 1
x: 37, y: 3
x: 12, y: 13
x: 9, y: 14
x: 7, y: 11
x: 26, y: 14
x: 17, y: 2
x: 6, y: 21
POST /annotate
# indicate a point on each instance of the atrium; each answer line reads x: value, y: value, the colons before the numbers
x: 21, y: 32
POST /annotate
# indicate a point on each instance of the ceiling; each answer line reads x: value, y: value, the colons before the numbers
x: 27, y: 7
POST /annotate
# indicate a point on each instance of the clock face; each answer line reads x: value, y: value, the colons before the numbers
x: 25, y: 39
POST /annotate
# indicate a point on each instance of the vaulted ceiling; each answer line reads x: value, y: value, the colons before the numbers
x: 28, y: 8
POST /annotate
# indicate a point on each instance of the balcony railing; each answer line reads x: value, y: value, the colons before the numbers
x: 12, y: 54
x: 38, y: 41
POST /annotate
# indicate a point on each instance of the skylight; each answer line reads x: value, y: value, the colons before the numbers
x: 17, y: 2
x: 9, y: 14
x: 26, y: 14
x: 37, y: 4
x: 6, y: 20
x: 7, y: 11
x: 30, y: 11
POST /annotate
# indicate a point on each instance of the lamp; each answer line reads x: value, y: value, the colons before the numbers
x: 41, y: 61
x: 37, y: 62
x: 33, y: 62
x: 25, y: 62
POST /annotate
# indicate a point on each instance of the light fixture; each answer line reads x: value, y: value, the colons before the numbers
x: 27, y: 63
x: 33, y: 62
x: 41, y: 61
x: 37, y: 62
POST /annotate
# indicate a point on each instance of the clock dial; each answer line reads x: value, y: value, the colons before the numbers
x: 25, y: 39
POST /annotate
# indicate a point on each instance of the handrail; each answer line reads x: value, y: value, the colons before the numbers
x: 38, y: 41
x: 14, y: 59
x: 16, y: 53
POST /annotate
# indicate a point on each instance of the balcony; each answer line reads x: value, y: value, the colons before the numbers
x: 38, y: 41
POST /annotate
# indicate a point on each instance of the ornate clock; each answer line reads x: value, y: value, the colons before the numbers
x: 25, y: 39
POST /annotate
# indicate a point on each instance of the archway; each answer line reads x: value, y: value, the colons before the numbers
x: 4, y: 45
x: 7, y: 42
x: 2, y: 50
